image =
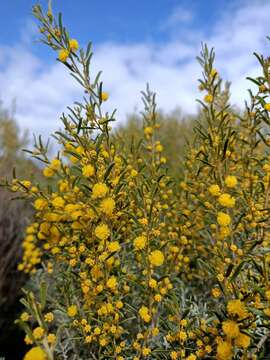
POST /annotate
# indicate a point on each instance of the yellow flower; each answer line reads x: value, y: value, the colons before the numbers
x: 242, y: 341
x: 208, y: 98
x: 267, y: 106
x: 159, y: 148
x: 107, y: 206
x: 118, y: 304
x: 157, y: 297
x: 236, y: 307
x: 97, y: 331
x: 144, y: 314
x: 73, y: 44
x: 226, y: 200
x: 262, y: 88
x: 63, y: 55
x: 58, y: 202
x: 223, y: 219
x: 224, y: 231
x: 182, y: 336
x: 266, y: 167
x: 24, y: 316
x: 214, y: 190
x: 55, y: 164
x: 88, y: 170
x: 72, y: 310
x: 51, y: 338
x: 139, y: 242
x: 220, y: 277
x: 174, y: 355
x: 38, y: 332
x: 36, y: 353
x: 48, y: 172
x: 183, y: 322
x: 224, y: 350
x: 103, y: 342
x: 156, y: 258
x: 49, y: 317
x: 114, y: 246
x: 88, y: 339
x: 40, y: 204
x: 230, y: 328
x: 191, y: 357
x: 133, y: 173
x: 148, y: 130
x: 183, y: 185
x: 216, y: 292
x: 28, y: 340
x: 231, y: 181
x: 99, y: 190
x: 102, y: 231
x: 63, y: 185
x: 152, y: 283
x: 112, y: 283
x: 104, y: 96
x: 26, y: 183
x: 146, y: 351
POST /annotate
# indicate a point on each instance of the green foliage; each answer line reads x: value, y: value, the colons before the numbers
x: 12, y: 143
x: 176, y: 131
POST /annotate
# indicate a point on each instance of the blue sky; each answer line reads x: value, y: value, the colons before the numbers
x: 119, y: 20
x: 135, y: 41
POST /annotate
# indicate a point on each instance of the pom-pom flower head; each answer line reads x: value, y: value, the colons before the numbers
x: 73, y: 44
x: 102, y: 231
x: 99, y: 190
x: 107, y: 206
x: 231, y: 181
x: 214, y: 190
x: 36, y: 353
x: 226, y: 200
x: 88, y: 170
x: 230, y: 328
x: 104, y: 96
x: 72, y: 310
x: 223, y: 219
x: 140, y: 242
x: 63, y: 55
x: 156, y: 258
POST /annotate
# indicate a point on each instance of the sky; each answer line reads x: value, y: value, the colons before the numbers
x: 134, y: 42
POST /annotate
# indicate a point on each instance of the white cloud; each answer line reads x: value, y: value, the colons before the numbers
x: 43, y: 91
x: 179, y: 16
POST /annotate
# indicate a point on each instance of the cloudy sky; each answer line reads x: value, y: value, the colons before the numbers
x: 135, y: 41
